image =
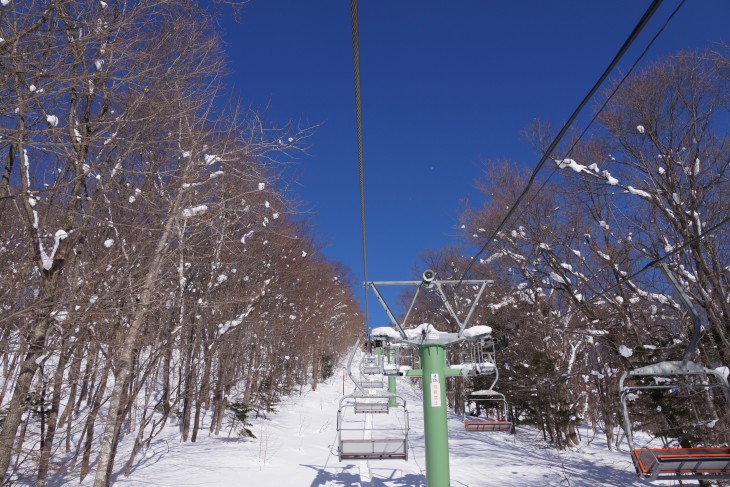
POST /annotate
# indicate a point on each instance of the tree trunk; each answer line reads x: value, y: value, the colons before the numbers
x: 90, y: 420
x: 20, y: 393
x: 47, y: 447
x: 129, y: 338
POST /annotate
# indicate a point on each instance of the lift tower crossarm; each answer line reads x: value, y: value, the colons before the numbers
x: 385, y: 306
x: 429, y: 284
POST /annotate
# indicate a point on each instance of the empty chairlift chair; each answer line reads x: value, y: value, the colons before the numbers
x: 391, y: 361
x: 670, y: 380
x: 372, y: 437
x: 370, y: 365
x: 494, y: 405
x: 372, y: 382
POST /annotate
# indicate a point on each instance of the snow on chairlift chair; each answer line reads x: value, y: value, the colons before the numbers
x: 480, y: 359
x: 697, y: 463
x: 492, y: 401
x: 372, y: 437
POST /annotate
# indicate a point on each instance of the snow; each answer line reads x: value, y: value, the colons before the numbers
x: 557, y: 278
x: 245, y: 236
x: 47, y: 260
x: 211, y: 159
x: 108, y: 242
x: 99, y: 63
x: 194, y: 211
x: 296, y: 447
x: 625, y: 351
x: 723, y: 371
x: 386, y: 332
x: 571, y: 164
x: 59, y: 316
x: 262, y: 186
x: 640, y: 129
x: 420, y: 330
x: 610, y: 179
x: 52, y: 120
x: 639, y: 192
x: 477, y: 330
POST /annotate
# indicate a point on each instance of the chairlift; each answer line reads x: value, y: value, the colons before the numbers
x: 370, y: 404
x: 479, y: 358
x: 371, y: 365
x: 695, y: 463
x: 372, y: 436
x: 495, y: 406
x: 701, y: 463
x: 371, y: 382
x: 391, y: 361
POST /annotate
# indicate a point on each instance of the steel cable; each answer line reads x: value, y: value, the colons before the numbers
x: 632, y: 37
x: 360, y: 159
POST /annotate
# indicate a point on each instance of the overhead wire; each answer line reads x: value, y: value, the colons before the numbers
x: 607, y: 101
x: 360, y: 159
x: 627, y: 43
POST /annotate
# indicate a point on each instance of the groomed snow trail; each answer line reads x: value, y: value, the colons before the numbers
x: 296, y: 446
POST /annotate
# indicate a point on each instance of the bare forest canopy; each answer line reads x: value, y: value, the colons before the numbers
x: 651, y: 179
x: 152, y: 269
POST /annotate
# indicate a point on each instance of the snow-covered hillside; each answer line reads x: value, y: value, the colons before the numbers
x: 296, y: 446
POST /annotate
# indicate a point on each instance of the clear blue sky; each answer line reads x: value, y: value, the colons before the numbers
x: 445, y: 85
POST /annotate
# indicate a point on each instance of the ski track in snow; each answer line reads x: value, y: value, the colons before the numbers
x: 296, y: 446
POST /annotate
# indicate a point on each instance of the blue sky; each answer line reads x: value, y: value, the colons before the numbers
x: 445, y: 85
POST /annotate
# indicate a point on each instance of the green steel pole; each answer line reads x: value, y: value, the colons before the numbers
x: 391, y: 379
x: 433, y: 364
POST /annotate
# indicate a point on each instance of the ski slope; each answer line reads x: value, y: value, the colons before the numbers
x: 296, y: 446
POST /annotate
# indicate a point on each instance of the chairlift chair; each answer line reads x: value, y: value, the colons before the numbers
x: 492, y: 401
x: 479, y: 358
x: 391, y: 361
x: 697, y: 463
x: 371, y: 382
x: 372, y: 437
x: 371, y: 365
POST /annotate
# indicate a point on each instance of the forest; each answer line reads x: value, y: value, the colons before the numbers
x: 579, y: 295
x: 147, y: 236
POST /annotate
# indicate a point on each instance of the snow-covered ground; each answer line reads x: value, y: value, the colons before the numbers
x: 296, y: 446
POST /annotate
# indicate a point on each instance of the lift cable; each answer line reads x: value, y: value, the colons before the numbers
x: 606, y: 102
x: 358, y: 122
x: 632, y: 37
